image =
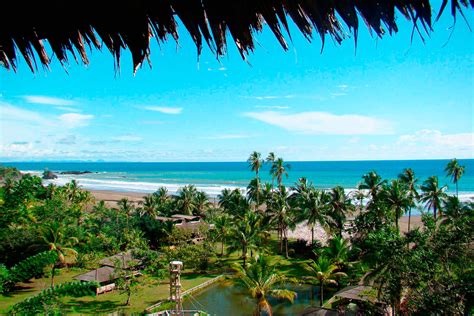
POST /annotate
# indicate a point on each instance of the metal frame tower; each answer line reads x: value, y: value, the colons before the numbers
x: 175, y: 286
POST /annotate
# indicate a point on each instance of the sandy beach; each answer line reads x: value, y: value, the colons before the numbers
x: 302, y: 230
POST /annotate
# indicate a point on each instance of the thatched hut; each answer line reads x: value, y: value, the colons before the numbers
x: 69, y: 27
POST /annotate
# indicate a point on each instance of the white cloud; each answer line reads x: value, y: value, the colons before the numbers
x: 274, y: 107
x: 67, y: 109
x: 73, y: 120
x: 436, y: 137
x: 164, y: 109
x: 127, y: 138
x: 229, y: 136
x: 12, y: 113
x: 40, y: 99
x: 324, y: 123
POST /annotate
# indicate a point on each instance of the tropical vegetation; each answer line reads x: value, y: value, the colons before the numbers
x: 419, y: 269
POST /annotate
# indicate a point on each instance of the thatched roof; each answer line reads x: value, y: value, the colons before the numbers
x: 124, y: 259
x: 103, y: 274
x: 187, y: 218
x: 69, y: 27
x: 358, y: 293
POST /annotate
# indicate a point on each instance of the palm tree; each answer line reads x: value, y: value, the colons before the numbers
x: 222, y: 226
x: 186, y: 199
x: 339, y: 205
x: 161, y: 196
x: 433, y: 195
x: 359, y: 195
x: 254, y: 192
x: 313, y: 206
x: 202, y: 202
x: 54, y: 236
x: 337, y: 251
x: 261, y: 279
x: 373, y: 183
x: 270, y: 160
x: 126, y: 207
x: 409, y: 180
x: 225, y: 199
x: 456, y: 171
x: 281, y: 213
x: 148, y: 204
x: 255, y: 163
x: 279, y: 169
x: 246, y: 234
x: 397, y: 199
x: 323, y: 271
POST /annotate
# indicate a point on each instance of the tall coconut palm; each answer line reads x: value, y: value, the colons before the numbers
x: 225, y: 199
x: 202, y: 202
x: 148, y: 206
x: 222, y: 226
x: 254, y: 192
x: 373, y: 183
x: 323, y: 272
x: 262, y: 280
x: 247, y: 234
x: 161, y: 195
x: 282, y: 215
x: 433, y: 195
x: 339, y: 205
x: 456, y: 171
x: 125, y: 207
x: 359, y: 195
x: 186, y: 199
x: 337, y: 251
x: 397, y: 199
x: 313, y: 204
x: 270, y: 160
x: 53, y: 235
x: 409, y: 180
x: 255, y: 163
x: 279, y: 169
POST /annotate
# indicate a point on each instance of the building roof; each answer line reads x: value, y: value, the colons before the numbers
x: 166, y: 219
x: 71, y: 27
x: 318, y: 311
x: 123, y: 258
x: 186, y: 217
x: 100, y: 275
x: 358, y: 293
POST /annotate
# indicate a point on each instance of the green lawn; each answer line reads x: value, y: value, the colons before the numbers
x: 148, y: 293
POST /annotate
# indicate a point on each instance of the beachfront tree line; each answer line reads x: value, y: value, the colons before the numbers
x: 419, y: 270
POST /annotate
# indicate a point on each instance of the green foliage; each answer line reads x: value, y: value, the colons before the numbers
x: 38, y: 304
x: 33, y: 266
x: 5, y: 283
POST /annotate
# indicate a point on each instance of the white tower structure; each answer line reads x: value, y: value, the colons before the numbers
x: 175, y: 286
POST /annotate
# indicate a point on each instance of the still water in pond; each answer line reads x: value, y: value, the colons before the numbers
x: 220, y: 299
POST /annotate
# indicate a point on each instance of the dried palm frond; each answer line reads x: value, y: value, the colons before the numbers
x: 69, y: 27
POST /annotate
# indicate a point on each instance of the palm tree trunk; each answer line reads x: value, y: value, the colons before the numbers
x: 312, y: 235
x: 129, y: 297
x: 409, y: 218
x: 434, y: 212
x: 222, y: 248
x: 53, y: 270
x: 286, y: 244
x: 457, y: 194
x: 321, y: 299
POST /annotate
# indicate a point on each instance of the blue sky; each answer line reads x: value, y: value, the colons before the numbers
x: 389, y: 99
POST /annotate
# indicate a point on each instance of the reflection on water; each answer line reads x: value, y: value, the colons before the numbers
x: 220, y: 299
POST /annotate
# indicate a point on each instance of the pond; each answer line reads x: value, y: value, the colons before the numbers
x: 222, y: 299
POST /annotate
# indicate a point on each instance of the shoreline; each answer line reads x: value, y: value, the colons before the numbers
x: 302, y: 230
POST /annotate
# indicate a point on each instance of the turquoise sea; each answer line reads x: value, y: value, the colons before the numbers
x: 212, y: 177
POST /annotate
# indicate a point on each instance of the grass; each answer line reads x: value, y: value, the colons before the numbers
x: 150, y: 291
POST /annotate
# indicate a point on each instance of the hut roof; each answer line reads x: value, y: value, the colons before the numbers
x: 186, y: 217
x: 125, y: 258
x: 100, y: 275
x: 358, y: 293
x: 72, y: 26
x: 167, y: 219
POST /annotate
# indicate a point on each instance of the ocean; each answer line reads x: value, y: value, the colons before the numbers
x: 212, y: 177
